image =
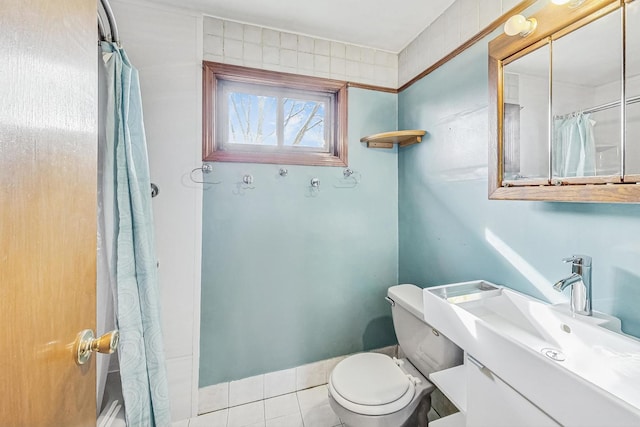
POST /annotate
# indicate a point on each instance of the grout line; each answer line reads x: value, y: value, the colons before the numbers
x: 299, y: 408
x: 264, y: 401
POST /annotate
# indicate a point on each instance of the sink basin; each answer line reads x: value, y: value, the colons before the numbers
x: 573, y: 367
x: 510, y: 314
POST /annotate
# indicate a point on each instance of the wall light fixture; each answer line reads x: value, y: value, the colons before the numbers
x: 518, y: 24
x: 572, y: 3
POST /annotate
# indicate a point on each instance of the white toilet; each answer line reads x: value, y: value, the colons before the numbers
x: 374, y: 390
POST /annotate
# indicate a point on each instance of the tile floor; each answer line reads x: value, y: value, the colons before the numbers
x: 305, y: 408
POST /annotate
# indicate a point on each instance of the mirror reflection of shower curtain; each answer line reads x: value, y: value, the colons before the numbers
x: 574, y: 149
x: 130, y: 243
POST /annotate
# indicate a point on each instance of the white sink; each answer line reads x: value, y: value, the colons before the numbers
x: 575, y: 368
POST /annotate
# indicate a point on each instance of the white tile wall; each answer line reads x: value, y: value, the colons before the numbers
x: 288, y: 52
x: 279, y: 383
x: 249, y: 45
x: 272, y: 386
x: 488, y: 11
x: 469, y: 19
x: 509, y: 4
x: 461, y: 21
x: 213, y: 398
x: 171, y: 84
x: 246, y: 390
x: 281, y: 406
x: 179, y: 371
x: 311, y: 375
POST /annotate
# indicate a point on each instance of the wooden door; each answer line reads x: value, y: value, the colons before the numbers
x: 48, y: 133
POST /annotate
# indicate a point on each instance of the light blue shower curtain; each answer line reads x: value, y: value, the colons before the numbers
x: 133, y: 260
x: 574, y: 148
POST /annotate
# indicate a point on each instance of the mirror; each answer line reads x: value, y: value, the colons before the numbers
x: 567, y: 116
x: 526, y: 116
x: 632, y: 157
x: 586, y: 89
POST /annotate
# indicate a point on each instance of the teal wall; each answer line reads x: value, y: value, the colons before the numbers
x: 289, y: 279
x: 449, y: 231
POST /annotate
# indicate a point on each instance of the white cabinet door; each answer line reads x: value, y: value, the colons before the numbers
x: 493, y: 403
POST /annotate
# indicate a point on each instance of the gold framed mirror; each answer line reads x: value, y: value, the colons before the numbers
x: 559, y: 128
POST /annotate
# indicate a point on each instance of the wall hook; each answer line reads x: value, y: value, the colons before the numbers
x: 314, y: 187
x: 350, y: 179
x: 247, y: 180
x: 245, y: 184
x: 205, y: 169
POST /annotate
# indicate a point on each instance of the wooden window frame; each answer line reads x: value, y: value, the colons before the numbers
x: 212, y: 150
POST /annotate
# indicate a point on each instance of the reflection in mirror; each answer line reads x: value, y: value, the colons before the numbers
x: 526, y: 117
x: 632, y: 158
x: 586, y: 88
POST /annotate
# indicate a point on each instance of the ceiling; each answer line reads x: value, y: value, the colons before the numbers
x: 380, y: 24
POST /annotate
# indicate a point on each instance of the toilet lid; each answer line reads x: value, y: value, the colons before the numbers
x: 370, y: 379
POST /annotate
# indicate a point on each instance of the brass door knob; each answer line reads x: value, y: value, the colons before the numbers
x: 86, y: 343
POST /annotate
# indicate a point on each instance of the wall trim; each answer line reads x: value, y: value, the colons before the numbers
x: 473, y: 40
x: 372, y: 87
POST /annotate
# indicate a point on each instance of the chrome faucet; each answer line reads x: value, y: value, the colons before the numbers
x: 580, y: 282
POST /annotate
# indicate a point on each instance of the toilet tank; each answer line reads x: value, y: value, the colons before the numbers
x: 427, y: 349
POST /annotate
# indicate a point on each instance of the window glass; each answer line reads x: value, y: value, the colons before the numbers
x: 304, y: 123
x: 251, y: 119
x: 267, y: 117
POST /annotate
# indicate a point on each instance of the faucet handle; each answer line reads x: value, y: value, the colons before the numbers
x: 584, y: 260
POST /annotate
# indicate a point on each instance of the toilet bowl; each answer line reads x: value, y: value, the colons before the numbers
x: 375, y: 390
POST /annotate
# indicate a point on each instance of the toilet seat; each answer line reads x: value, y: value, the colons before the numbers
x: 371, y: 384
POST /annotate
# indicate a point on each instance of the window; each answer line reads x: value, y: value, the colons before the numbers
x: 262, y: 116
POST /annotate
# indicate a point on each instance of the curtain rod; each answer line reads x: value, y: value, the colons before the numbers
x: 111, y: 20
x: 598, y: 108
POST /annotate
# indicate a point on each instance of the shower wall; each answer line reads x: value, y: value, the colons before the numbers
x: 163, y: 44
x: 354, y: 230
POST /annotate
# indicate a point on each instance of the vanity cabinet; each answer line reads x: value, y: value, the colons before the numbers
x: 493, y: 403
x: 485, y: 400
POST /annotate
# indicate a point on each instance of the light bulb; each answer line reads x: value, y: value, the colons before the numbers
x: 518, y: 24
x: 574, y: 3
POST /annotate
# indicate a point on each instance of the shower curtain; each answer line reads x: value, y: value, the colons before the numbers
x: 104, y: 293
x: 574, y: 148
x: 130, y: 247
